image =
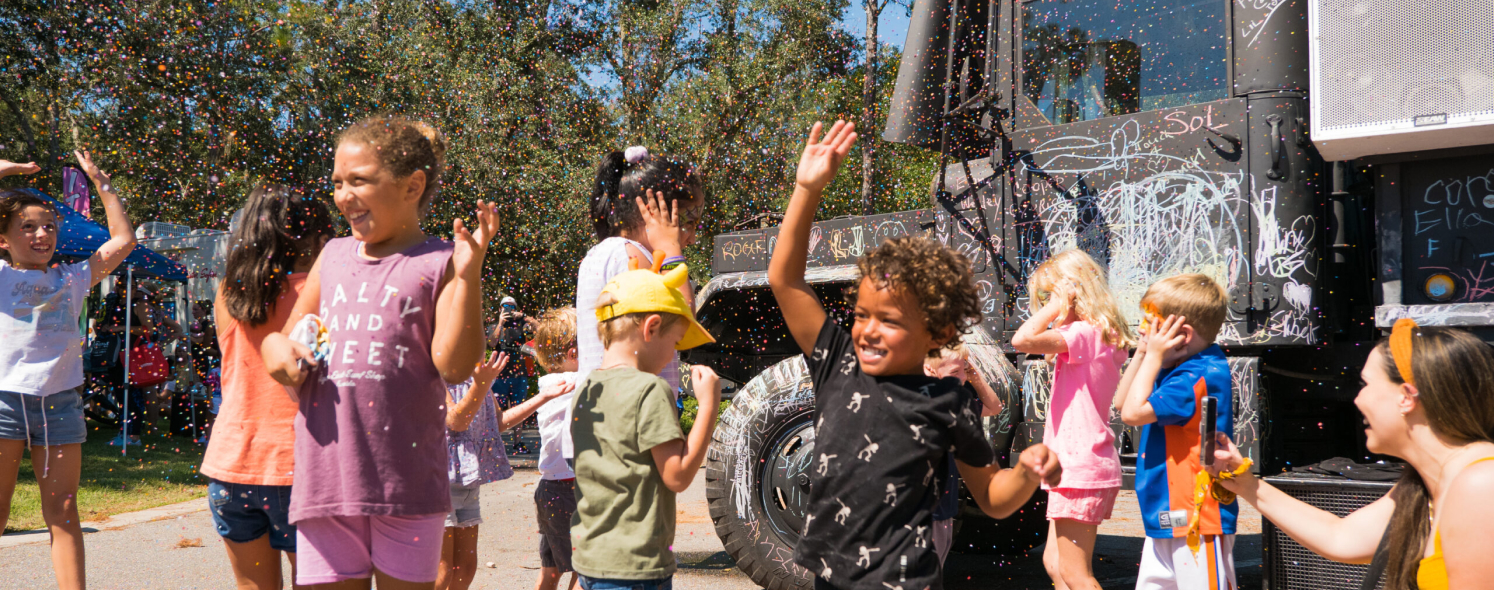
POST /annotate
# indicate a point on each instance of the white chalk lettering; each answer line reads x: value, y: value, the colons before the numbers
x: 347, y: 351
x: 401, y: 360
x: 373, y: 353
x: 352, y: 322
x: 375, y: 322
x: 338, y: 294
x: 388, y: 292
x: 408, y: 310
x: 361, y: 289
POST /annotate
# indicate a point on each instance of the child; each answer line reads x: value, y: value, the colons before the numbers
x: 1076, y: 322
x: 631, y: 458
x: 884, y: 430
x: 42, y: 354
x: 250, y: 461
x: 628, y: 226
x: 954, y: 362
x: 474, y: 447
x: 1177, y: 365
x: 402, y: 312
x: 555, y: 494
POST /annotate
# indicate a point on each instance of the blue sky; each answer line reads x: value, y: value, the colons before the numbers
x: 892, y: 28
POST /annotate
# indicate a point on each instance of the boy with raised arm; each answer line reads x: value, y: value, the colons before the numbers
x: 885, y: 430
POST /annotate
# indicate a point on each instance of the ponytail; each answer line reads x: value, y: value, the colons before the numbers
x: 604, y: 193
x: 623, y: 177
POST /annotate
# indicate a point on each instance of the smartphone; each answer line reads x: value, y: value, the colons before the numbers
x: 1206, y: 430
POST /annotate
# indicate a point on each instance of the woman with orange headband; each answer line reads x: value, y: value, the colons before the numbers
x: 1426, y: 399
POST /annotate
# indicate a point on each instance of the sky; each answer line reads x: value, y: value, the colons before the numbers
x: 892, y: 28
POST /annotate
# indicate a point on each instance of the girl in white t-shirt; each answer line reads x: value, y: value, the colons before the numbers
x: 640, y: 203
x: 42, y: 352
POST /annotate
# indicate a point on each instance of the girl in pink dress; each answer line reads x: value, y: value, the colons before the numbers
x: 1076, y: 322
x: 402, y: 313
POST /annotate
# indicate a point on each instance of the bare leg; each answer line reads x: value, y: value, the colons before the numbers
x: 256, y: 566
x: 464, y: 557
x: 353, y: 584
x: 59, y: 503
x: 549, y: 578
x: 574, y: 580
x: 444, y: 573
x: 1051, y: 559
x: 11, y: 452
x: 1076, y: 549
x: 388, y: 582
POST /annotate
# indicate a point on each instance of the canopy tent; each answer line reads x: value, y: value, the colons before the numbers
x: 79, y: 237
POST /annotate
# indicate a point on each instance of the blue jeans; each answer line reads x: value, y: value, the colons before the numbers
x: 510, y: 391
x: 245, y: 512
x: 589, y: 583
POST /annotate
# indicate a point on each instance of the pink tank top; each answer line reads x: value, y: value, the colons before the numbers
x: 371, y: 431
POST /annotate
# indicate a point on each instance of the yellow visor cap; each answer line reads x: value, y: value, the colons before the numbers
x: 644, y: 291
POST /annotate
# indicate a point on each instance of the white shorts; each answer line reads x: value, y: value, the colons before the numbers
x: 1168, y: 564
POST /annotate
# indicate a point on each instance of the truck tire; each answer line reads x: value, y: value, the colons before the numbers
x: 756, y: 474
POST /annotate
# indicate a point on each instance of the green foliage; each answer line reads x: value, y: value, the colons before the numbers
x: 692, y: 409
x: 190, y: 103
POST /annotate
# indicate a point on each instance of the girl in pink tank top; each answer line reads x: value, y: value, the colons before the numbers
x: 1075, y: 320
x: 402, y: 314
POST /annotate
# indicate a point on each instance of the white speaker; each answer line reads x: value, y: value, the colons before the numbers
x: 1395, y: 76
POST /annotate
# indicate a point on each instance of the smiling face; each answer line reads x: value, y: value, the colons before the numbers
x: 1382, y: 401
x: 891, y: 333
x: 31, y: 238
x: 377, y: 206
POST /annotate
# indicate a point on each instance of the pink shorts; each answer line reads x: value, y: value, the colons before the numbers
x: 338, y: 548
x: 1086, y: 506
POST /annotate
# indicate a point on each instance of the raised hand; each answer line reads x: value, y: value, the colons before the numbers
x: 1166, y: 339
x: 85, y: 161
x: 705, y: 385
x: 823, y: 157
x: 1227, y: 457
x: 1040, y: 462
x: 661, y: 223
x: 471, y: 247
x: 489, y: 369
x: 556, y: 390
x: 9, y: 168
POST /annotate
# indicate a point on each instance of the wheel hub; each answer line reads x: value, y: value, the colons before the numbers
x: 785, y: 479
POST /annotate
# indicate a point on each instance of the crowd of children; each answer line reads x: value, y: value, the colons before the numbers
x: 358, y: 423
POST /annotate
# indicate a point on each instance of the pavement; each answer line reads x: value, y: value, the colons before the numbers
x: 176, y: 547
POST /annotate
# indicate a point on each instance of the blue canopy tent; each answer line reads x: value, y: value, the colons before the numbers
x: 78, y: 237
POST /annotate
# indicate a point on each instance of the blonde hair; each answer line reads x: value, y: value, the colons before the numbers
x: 620, y: 326
x: 1074, y: 270
x: 555, y: 335
x: 1196, y: 297
x: 953, y: 350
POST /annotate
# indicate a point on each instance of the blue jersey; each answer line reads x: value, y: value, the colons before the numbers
x: 1168, y: 462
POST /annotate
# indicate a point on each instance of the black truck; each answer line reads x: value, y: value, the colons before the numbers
x: 1330, y: 162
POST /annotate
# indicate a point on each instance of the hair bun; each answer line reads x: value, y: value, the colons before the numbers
x: 635, y: 154
x: 438, y: 141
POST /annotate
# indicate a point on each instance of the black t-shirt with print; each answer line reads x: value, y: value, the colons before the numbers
x: 879, y: 462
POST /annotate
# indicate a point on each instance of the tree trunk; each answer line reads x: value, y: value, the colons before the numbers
x: 26, y: 134
x: 873, y: 10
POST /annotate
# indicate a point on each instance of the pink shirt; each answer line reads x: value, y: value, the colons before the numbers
x: 1078, y: 427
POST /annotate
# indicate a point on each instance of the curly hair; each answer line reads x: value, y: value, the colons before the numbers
x: 404, y: 147
x: 937, y: 277
x: 12, y: 202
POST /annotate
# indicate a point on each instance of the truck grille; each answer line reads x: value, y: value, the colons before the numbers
x: 1290, y: 566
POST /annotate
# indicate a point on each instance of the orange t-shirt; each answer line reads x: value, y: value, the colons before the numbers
x: 254, y: 438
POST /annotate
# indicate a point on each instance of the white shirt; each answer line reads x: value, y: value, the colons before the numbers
x: 605, y: 260
x: 555, y: 429
x: 41, y: 346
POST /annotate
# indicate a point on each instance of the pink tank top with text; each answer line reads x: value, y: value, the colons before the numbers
x: 371, y: 430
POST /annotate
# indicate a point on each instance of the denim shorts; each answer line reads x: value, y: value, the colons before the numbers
x: 466, y: 506
x: 589, y: 583
x: 42, y: 420
x: 245, y: 512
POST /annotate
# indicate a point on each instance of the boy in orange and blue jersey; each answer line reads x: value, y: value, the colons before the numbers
x: 1176, y: 366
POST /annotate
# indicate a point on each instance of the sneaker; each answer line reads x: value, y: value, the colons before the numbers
x: 121, y: 440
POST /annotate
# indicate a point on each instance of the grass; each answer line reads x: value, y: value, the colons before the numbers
x: 692, y: 407
x: 161, y: 471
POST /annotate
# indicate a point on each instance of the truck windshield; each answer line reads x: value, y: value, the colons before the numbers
x: 1087, y: 59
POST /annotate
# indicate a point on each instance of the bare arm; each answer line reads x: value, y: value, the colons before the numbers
x: 283, y: 357
x: 1035, y: 336
x: 457, y: 345
x: 1350, y: 539
x: 679, y: 460
x: 1166, y: 339
x: 1467, y: 538
x: 817, y: 167
x: 1000, y: 492
x: 459, y: 414
x: 1123, y: 389
x: 991, y: 404
x: 121, y: 234
x: 513, y: 416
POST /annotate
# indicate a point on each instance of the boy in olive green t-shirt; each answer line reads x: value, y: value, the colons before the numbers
x: 631, y: 456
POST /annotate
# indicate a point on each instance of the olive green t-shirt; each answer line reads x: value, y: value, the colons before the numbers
x: 624, y: 522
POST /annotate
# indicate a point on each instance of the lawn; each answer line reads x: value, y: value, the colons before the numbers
x: 162, y: 471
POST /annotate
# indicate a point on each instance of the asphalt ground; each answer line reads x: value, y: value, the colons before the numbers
x: 183, y: 551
